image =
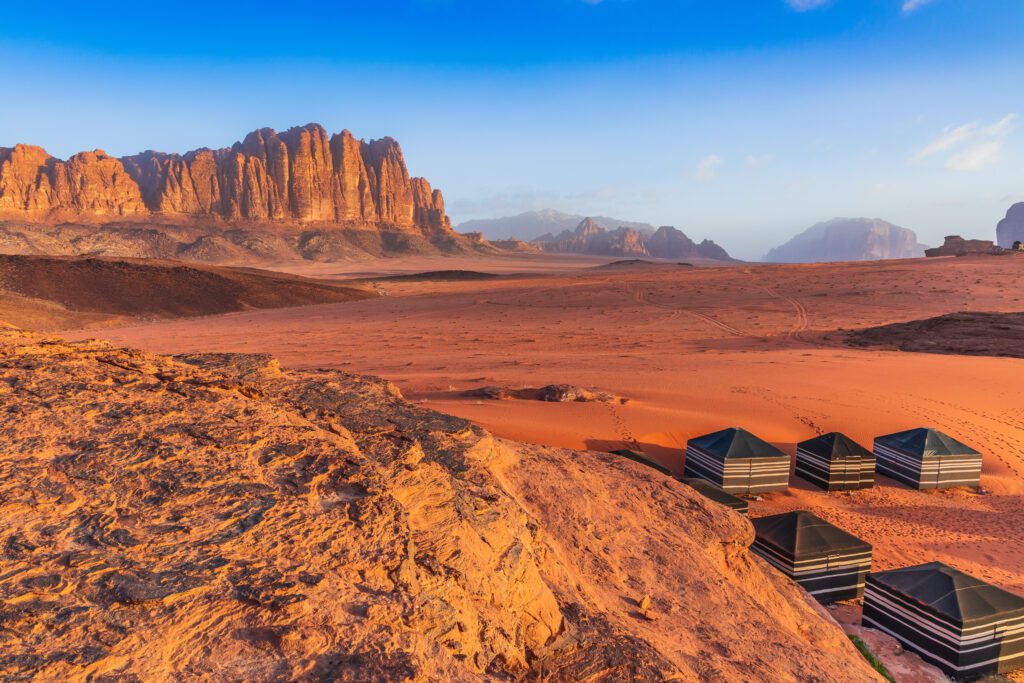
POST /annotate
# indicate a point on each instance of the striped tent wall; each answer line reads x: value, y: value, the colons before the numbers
x: 928, y: 471
x: 868, y: 464
x: 839, y: 474
x: 738, y: 475
x: 992, y: 646
x: 828, y: 576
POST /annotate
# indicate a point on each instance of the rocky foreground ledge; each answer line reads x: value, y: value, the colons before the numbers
x: 216, y: 517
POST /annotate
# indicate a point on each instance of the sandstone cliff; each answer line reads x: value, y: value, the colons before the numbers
x: 848, y: 239
x: 301, y: 175
x: 1011, y: 228
x: 217, y: 517
x: 297, y: 194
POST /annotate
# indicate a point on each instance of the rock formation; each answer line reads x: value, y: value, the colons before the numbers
x: 955, y: 245
x: 217, y: 517
x: 590, y: 238
x: 300, y: 175
x: 1011, y: 228
x: 297, y: 194
x: 848, y: 239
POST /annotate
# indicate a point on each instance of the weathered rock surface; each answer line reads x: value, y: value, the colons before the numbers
x: 1011, y: 228
x: 848, y: 239
x: 955, y: 245
x: 590, y: 238
x: 217, y: 517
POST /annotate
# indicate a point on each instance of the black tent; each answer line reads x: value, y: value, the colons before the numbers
x: 835, y: 462
x: 964, y: 626
x: 826, y: 561
x: 927, y: 459
x: 709, y: 490
x: 737, y: 462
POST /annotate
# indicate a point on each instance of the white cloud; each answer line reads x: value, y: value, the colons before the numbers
x: 951, y: 136
x: 972, y: 146
x: 1002, y: 127
x: 976, y: 157
x: 806, y: 5
x: 911, y: 5
x: 708, y: 167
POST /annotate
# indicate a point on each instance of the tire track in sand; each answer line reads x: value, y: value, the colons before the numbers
x: 640, y: 296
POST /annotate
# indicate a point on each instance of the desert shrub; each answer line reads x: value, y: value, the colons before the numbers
x: 872, y: 659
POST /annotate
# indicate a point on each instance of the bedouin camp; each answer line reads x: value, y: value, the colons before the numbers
x: 927, y: 459
x: 835, y: 462
x: 826, y: 561
x: 964, y: 626
x: 709, y: 490
x: 737, y: 462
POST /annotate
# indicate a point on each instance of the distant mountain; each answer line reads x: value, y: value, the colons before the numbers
x: 848, y: 239
x: 590, y: 238
x: 1011, y: 228
x: 670, y: 243
x: 533, y: 224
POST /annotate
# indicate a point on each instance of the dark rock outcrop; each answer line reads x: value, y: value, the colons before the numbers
x: 1011, y: 228
x: 955, y: 245
x: 848, y: 239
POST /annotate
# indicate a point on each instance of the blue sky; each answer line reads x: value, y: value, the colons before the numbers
x: 741, y: 121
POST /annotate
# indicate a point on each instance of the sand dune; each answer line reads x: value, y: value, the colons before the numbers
x: 54, y: 292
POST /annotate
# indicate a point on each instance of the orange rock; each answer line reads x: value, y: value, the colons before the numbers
x: 301, y: 175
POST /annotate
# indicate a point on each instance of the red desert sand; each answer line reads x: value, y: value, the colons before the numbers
x: 690, y: 350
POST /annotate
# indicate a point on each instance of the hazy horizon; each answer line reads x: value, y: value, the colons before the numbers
x: 740, y: 122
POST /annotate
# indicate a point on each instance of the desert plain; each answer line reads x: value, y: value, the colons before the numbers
x: 685, y: 349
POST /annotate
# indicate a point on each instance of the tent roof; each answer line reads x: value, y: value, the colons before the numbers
x: 950, y: 592
x: 835, y: 446
x: 736, y: 443
x: 802, y: 533
x: 709, y: 490
x: 926, y: 441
